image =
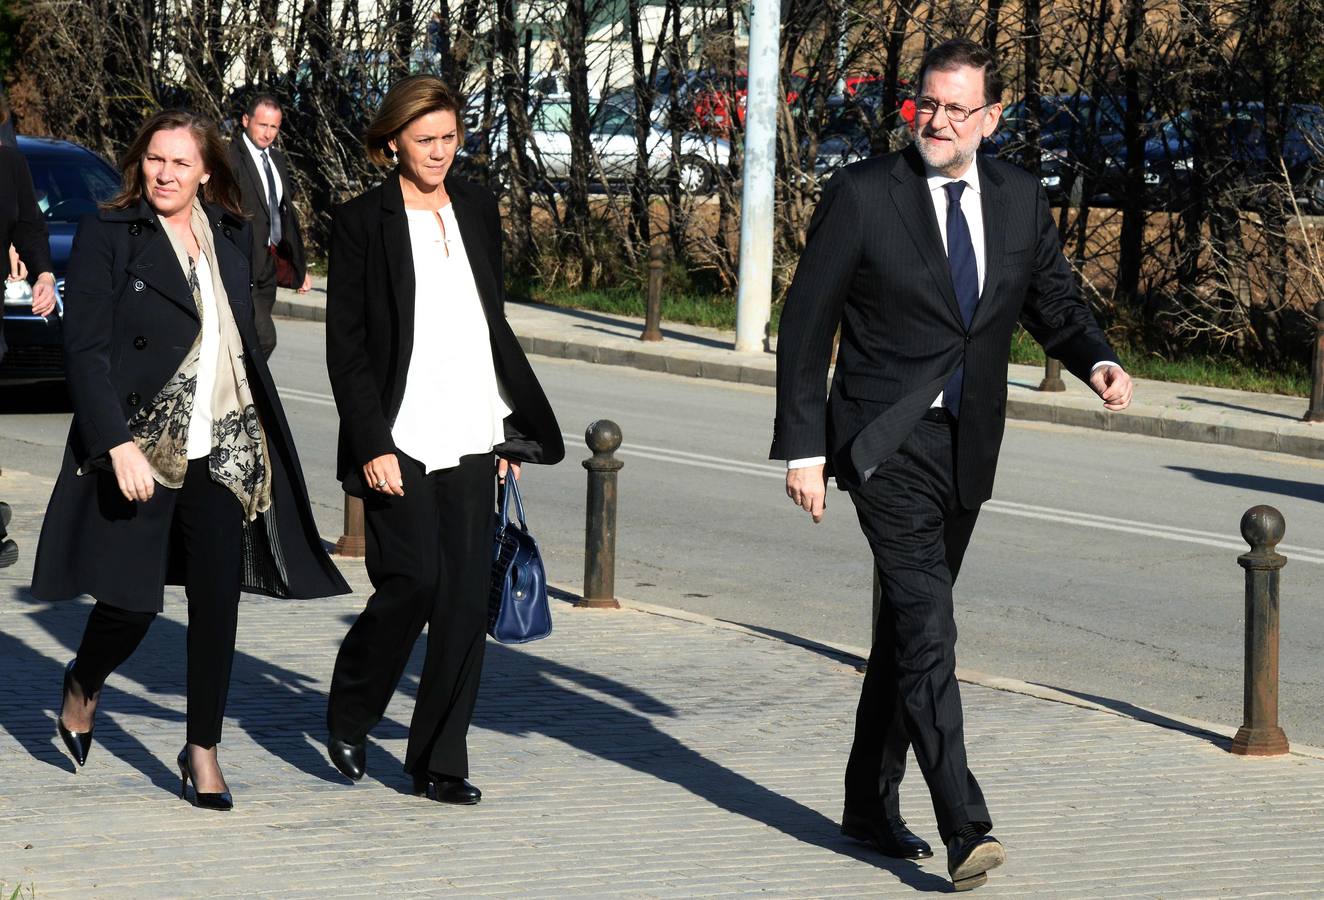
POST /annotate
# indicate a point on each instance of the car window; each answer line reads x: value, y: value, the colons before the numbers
x: 69, y: 188
x: 553, y: 116
x: 611, y: 120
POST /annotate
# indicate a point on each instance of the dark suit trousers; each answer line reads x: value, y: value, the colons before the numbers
x: 264, y: 298
x: 207, y: 533
x: 918, y: 531
x: 429, y: 556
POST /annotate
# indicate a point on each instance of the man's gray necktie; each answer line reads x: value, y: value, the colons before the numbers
x: 965, y: 281
x: 273, y: 203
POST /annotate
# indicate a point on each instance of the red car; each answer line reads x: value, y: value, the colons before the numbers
x: 872, y: 86
x: 712, y: 93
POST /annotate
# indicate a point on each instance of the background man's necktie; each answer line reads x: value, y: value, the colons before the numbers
x: 273, y: 203
x: 965, y: 281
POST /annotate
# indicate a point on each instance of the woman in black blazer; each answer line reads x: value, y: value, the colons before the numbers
x: 180, y: 467
x: 433, y: 392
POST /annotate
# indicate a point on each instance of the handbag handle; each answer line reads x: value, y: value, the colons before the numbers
x: 508, y: 488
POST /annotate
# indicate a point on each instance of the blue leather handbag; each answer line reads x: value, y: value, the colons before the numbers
x: 517, y: 609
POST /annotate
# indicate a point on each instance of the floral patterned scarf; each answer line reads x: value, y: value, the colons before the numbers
x: 238, y: 458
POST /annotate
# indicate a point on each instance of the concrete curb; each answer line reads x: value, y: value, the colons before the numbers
x: 1274, y: 441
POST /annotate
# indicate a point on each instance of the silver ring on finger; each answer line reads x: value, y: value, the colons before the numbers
x: 381, y: 485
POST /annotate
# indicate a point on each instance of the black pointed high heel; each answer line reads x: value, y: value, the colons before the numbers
x: 222, y: 801
x: 78, y: 743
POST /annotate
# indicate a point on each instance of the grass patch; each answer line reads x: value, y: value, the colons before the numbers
x: 687, y: 308
x: 1202, y: 369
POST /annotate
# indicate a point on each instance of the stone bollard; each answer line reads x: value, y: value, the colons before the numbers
x: 1316, y: 411
x: 653, y: 312
x: 351, y: 542
x: 1259, y: 735
x: 603, y: 438
x: 1052, y: 382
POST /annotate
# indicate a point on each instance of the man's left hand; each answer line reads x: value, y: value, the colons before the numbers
x: 307, y: 284
x: 1113, y: 385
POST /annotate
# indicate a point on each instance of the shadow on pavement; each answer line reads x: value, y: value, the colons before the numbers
x: 281, y: 710
x: 786, y: 637
x: 1148, y: 716
x: 562, y: 703
x: 1205, y: 401
x: 1305, y: 490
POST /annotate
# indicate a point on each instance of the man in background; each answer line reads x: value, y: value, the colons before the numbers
x: 264, y: 178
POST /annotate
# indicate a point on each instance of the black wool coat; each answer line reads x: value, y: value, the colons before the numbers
x: 129, y: 321
x: 370, y: 326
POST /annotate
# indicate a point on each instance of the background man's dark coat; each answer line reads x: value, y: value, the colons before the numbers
x: 253, y: 184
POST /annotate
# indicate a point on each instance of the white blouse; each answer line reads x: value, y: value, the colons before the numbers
x: 453, y: 403
x: 199, y: 425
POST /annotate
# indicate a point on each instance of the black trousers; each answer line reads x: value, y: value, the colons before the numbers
x: 918, y: 531
x: 207, y: 537
x: 264, y: 298
x: 429, y: 556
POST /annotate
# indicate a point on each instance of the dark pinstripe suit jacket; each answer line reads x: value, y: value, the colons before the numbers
x: 875, y: 265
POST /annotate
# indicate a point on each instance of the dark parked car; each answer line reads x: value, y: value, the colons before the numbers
x: 70, y: 181
x: 1170, y: 154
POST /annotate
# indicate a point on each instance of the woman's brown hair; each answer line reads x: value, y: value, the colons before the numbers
x: 221, y: 188
x: 408, y: 99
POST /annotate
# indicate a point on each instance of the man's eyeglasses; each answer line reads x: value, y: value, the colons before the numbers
x: 955, y: 111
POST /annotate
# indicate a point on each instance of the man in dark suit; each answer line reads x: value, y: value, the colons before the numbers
x: 926, y: 259
x: 264, y: 178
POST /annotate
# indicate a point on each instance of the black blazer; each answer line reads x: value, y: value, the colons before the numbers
x: 129, y: 321
x: 21, y: 223
x: 253, y: 185
x: 370, y: 325
x: 874, y: 264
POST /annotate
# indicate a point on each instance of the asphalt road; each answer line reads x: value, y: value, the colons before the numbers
x: 1105, y: 565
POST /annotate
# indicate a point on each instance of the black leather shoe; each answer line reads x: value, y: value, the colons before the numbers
x: 970, y: 855
x: 221, y: 801
x: 890, y: 836
x: 447, y: 790
x: 350, y: 758
x: 78, y: 743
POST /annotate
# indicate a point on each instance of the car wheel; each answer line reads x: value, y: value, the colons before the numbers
x: 1312, y: 196
x: 695, y: 175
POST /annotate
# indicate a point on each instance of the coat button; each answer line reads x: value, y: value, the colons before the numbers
x: 133, y: 399
x: 138, y: 285
x: 227, y: 231
x: 969, y: 339
x: 139, y: 342
x: 135, y: 229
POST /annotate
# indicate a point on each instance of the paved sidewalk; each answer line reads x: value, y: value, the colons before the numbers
x: 1161, y: 409
x: 635, y: 753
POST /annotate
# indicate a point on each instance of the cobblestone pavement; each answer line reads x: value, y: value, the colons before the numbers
x: 630, y: 754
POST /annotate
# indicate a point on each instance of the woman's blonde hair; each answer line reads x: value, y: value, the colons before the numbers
x: 407, y: 100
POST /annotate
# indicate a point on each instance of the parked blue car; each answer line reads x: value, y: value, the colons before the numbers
x: 1170, y: 158
x: 70, y: 181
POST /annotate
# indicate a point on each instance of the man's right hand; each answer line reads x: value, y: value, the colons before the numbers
x: 807, y: 489
x: 133, y: 472
x: 383, y: 474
